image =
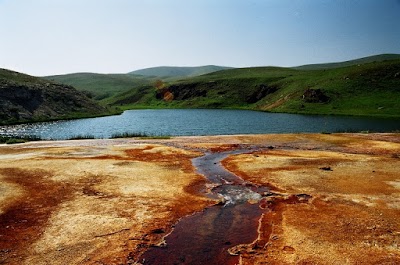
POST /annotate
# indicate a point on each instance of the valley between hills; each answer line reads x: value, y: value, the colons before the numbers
x: 364, y: 87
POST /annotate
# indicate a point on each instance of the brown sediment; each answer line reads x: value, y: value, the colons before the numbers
x: 210, y: 236
x: 353, y: 215
x: 80, y: 206
x: 25, y: 220
x: 224, y: 148
x: 222, y: 235
x: 108, y: 201
x: 257, y: 252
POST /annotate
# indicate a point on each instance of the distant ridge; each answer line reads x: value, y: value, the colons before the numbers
x: 175, y: 71
x: 369, y: 59
x: 101, y: 85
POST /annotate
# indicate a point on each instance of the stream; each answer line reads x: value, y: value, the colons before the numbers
x: 206, y: 237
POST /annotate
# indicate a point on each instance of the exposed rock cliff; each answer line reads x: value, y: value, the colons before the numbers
x: 25, y: 98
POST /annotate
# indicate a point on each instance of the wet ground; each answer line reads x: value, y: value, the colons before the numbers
x: 232, y: 222
x: 254, y: 199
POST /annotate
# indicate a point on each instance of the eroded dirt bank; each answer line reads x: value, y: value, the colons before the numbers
x: 108, y: 201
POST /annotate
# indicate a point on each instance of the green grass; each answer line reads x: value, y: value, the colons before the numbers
x: 178, y: 72
x: 19, y: 78
x: 365, y: 87
x: 371, y: 89
x: 102, y: 86
x: 141, y: 135
x: 18, y: 139
x: 82, y: 137
x: 128, y: 135
x: 369, y: 59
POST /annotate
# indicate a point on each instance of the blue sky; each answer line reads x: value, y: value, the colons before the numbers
x: 45, y: 37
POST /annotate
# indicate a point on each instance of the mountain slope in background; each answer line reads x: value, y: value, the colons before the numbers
x: 172, y: 71
x: 101, y: 86
x: 104, y: 87
x: 25, y: 98
x: 367, y: 86
x: 370, y: 89
x: 369, y: 59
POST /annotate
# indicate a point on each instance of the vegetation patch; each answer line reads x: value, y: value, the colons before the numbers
x: 370, y: 88
x: 365, y: 87
x: 18, y: 139
x: 142, y: 135
x: 129, y: 135
x: 82, y: 137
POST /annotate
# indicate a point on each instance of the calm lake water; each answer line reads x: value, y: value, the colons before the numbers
x: 176, y: 122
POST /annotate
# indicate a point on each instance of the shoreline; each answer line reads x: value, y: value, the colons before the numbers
x: 121, y: 110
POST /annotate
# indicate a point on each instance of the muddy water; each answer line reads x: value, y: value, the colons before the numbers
x: 206, y: 237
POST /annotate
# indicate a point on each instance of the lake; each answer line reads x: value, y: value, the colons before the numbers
x: 178, y: 122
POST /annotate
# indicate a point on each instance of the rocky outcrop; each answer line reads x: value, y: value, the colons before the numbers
x: 24, y: 98
x: 181, y: 92
x: 261, y: 92
x: 315, y: 96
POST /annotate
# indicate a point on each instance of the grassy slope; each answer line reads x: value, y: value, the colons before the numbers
x: 20, y: 78
x: 101, y: 86
x: 172, y: 71
x: 365, y: 86
x: 369, y: 59
x: 371, y: 89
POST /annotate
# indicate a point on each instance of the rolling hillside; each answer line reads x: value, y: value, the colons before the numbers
x: 24, y: 98
x: 172, y: 71
x: 101, y: 86
x: 368, y: 86
x: 369, y: 59
x: 371, y: 89
x: 104, y: 87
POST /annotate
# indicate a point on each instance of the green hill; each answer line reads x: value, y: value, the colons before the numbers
x: 369, y: 59
x: 104, y: 87
x: 172, y: 71
x: 367, y: 86
x: 25, y: 98
x: 101, y: 86
x: 371, y: 89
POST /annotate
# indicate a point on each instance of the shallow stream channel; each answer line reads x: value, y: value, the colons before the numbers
x: 215, y: 236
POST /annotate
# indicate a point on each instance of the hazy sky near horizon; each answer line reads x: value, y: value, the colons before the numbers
x: 46, y: 37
